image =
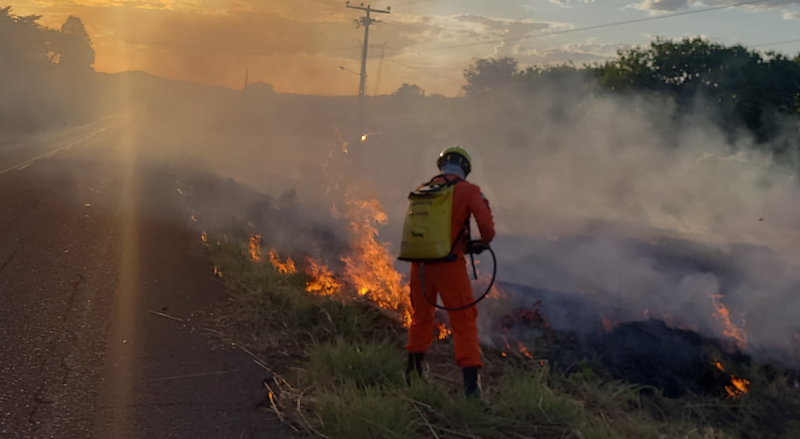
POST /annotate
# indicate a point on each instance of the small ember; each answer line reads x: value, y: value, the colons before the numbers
x: 529, y: 317
x: 608, y: 325
x: 443, y: 331
x: 524, y: 350
x: 738, y: 386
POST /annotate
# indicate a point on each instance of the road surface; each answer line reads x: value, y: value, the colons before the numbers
x: 93, y: 241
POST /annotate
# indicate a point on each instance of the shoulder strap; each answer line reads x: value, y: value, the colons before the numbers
x: 448, y: 182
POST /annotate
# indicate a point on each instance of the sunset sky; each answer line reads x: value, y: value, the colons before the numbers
x: 298, y: 45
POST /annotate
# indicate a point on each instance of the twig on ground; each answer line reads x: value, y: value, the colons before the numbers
x: 379, y: 426
x: 166, y: 316
x: 442, y: 377
x: 425, y: 419
x: 305, y: 420
x: 195, y: 375
x: 458, y: 433
x: 272, y: 402
x: 412, y: 400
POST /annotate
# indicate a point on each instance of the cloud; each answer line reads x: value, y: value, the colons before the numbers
x: 656, y: 6
x: 660, y: 6
x: 295, y: 45
x: 791, y: 15
x: 578, y: 53
x: 567, y: 3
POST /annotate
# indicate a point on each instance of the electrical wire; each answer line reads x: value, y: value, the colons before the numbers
x: 777, y: 43
x: 426, y: 71
x: 581, y: 29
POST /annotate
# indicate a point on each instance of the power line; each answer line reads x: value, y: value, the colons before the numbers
x: 408, y: 3
x: 426, y: 71
x: 581, y: 29
x: 777, y: 43
x: 212, y: 47
x: 412, y: 3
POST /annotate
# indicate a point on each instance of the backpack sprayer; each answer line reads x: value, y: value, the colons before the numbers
x: 427, y: 234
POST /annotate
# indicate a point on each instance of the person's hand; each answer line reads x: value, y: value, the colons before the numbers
x: 476, y: 247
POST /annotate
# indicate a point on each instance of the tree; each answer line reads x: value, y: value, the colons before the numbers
x: 743, y: 85
x: 490, y: 75
x: 261, y: 89
x: 409, y: 90
x: 75, y: 49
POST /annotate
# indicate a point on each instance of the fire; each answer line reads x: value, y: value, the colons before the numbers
x: 722, y: 313
x: 194, y: 218
x: 364, y: 138
x: 217, y: 272
x: 255, y: 248
x: 282, y: 267
x: 608, y: 325
x: 443, y: 331
x: 524, y: 350
x: 498, y: 293
x: 321, y: 280
x: 370, y: 268
x: 738, y: 387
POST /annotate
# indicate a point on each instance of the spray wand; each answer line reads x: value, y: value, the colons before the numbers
x: 473, y: 248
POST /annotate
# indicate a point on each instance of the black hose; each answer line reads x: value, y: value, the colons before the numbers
x: 460, y: 308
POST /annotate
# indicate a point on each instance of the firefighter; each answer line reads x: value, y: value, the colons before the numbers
x: 450, y: 279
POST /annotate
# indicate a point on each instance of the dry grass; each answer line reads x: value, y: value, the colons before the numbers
x: 347, y: 380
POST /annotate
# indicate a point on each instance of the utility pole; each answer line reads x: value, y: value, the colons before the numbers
x: 380, y: 70
x: 366, y: 21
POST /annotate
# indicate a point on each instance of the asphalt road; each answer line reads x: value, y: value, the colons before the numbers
x: 93, y: 240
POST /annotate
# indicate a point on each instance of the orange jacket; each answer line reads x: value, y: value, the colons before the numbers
x: 469, y: 200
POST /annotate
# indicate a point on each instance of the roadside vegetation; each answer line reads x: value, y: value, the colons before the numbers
x: 338, y: 372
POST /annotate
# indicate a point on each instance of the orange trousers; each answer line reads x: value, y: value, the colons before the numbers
x: 451, y: 281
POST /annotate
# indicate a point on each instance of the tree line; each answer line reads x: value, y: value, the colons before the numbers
x: 46, y: 73
x: 742, y: 87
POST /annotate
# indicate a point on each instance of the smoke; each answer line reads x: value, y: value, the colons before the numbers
x: 624, y: 202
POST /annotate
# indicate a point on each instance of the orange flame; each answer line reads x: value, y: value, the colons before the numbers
x: 524, y: 350
x: 443, y: 331
x: 722, y: 313
x: 370, y: 267
x: 282, y: 267
x: 255, y: 248
x: 217, y: 272
x: 608, y: 325
x: 738, y: 387
x: 321, y: 280
x: 204, y: 238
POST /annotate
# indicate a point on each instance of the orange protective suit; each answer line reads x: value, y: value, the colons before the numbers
x: 451, y: 281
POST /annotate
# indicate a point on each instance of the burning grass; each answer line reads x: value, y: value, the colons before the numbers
x: 347, y: 379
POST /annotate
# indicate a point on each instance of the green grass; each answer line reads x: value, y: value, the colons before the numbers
x: 352, y: 412
x: 526, y: 397
x: 353, y: 385
x: 362, y: 365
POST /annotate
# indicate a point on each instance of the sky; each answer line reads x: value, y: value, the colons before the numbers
x: 297, y: 46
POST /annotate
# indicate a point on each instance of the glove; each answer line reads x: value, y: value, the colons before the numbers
x: 476, y: 247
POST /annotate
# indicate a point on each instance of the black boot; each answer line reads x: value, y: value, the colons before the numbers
x: 471, y: 382
x: 414, y: 365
